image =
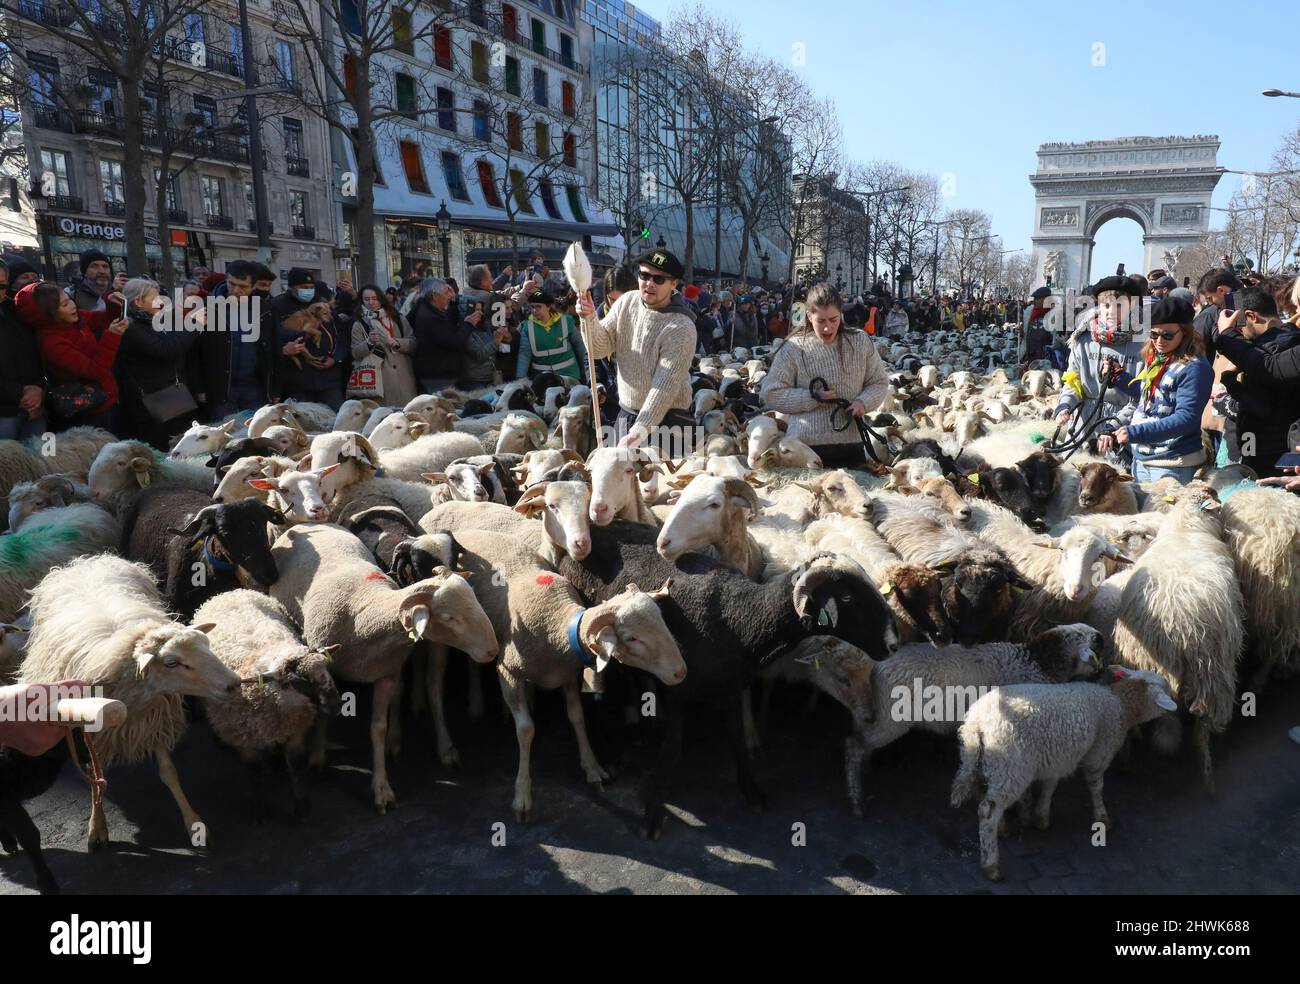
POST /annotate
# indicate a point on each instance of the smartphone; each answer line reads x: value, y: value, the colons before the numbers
x: 123, y: 314
x: 1230, y: 301
x: 1289, y: 460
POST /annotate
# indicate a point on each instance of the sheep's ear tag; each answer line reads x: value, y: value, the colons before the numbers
x: 887, y: 588
x: 1169, y: 498
x: 973, y: 478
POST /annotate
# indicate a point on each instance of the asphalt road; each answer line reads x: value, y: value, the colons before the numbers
x: 1168, y: 835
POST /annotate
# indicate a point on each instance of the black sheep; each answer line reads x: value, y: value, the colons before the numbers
x: 476, y: 408
x: 379, y: 523
x: 927, y: 447
x: 728, y: 628
x: 23, y: 777
x: 172, y: 528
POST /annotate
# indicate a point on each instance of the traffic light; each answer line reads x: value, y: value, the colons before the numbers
x: 645, y: 232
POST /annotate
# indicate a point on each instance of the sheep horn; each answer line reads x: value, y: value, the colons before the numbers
x: 736, y: 486
x: 200, y: 520
x: 528, y: 501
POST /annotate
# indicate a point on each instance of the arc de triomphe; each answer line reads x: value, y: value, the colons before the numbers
x: 1162, y: 183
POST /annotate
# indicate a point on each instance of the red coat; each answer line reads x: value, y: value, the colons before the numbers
x: 81, y: 351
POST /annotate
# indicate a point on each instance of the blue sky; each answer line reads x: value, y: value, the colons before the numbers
x: 974, y: 87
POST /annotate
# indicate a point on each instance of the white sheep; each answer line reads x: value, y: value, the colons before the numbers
x: 521, y: 431
x: 616, y: 477
x: 921, y: 529
x: 1085, y: 560
x: 68, y: 453
x: 205, y: 438
x: 48, y: 539
x: 122, y: 468
x: 48, y: 492
x: 101, y: 621
x: 330, y: 586
x: 1181, y: 615
x: 714, y: 512
x: 352, y: 415
x: 1020, y: 734
x: 430, y: 453
x: 399, y: 429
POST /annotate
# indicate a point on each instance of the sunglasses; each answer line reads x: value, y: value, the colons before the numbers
x: 658, y: 278
x: 1167, y: 336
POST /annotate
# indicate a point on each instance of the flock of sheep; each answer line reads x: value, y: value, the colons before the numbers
x: 271, y: 565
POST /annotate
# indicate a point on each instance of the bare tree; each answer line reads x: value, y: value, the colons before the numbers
x: 814, y: 158
x: 965, y: 237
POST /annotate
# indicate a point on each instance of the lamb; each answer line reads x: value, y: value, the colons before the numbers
x: 1103, y: 489
x: 727, y: 626
x: 1181, y: 615
x: 616, y: 474
x: 430, y: 453
x: 714, y: 512
x: 196, y: 549
x: 49, y: 492
x: 533, y: 611
x: 68, y: 453
x: 205, y: 438
x: 330, y: 586
x: 123, y: 468
x: 101, y: 621
x: 1054, y: 490
x: 1020, y: 734
x: 286, y: 685
x: 1262, y: 530
x: 49, y: 539
x: 932, y: 689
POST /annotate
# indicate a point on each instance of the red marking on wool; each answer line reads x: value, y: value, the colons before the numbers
x: 376, y: 576
x: 545, y: 580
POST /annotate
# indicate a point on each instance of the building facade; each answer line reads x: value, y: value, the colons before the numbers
x: 830, y: 230
x: 72, y: 123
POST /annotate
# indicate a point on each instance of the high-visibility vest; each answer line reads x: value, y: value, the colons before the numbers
x: 550, y: 348
x: 871, y: 321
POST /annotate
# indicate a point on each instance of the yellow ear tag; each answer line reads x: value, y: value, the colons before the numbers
x: 144, y: 478
x: 412, y: 634
x: 973, y: 478
x: 888, y: 588
x: 817, y: 663
x: 1170, y: 498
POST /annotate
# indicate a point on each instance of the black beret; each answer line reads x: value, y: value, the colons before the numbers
x: 1042, y: 292
x: 300, y: 276
x: 541, y: 297
x: 663, y: 261
x: 1172, y: 311
x: 1121, y: 285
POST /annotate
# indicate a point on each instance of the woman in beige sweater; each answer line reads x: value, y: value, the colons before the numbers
x: 382, y: 330
x: 846, y: 359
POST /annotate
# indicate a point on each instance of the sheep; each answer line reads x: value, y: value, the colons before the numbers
x: 295, y: 495
x: 352, y: 415
x: 574, y: 430
x: 1262, y: 530
x: 234, y: 486
x: 1181, y: 615
x: 49, y: 539
x: 269, y: 416
x: 68, y: 453
x: 13, y: 643
x: 763, y: 431
x: 727, y: 626
x: 397, y: 430
x: 123, y: 468
x: 921, y: 532
x: 543, y: 465
x: 331, y: 587
x: 48, y: 492
x: 1085, y: 560
x: 311, y: 417
x: 24, y: 777
x: 616, y: 474
x: 1031, y: 552
x: 979, y: 595
x: 430, y: 453
x: 285, y: 683
x: 789, y: 452
x: 1104, y: 489
x: 205, y: 438
x: 1020, y: 734
x: 714, y: 512
x: 236, y: 450
x: 520, y: 432
x: 357, y: 460
x: 377, y: 416
x: 292, y: 442
x: 533, y: 611
x: 101, y: 621
x: 469, y: 482
x: 196, y: 549
x: 1054, y: 490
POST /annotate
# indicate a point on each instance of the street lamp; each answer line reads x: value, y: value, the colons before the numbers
x: 443, y: 218
x: 765, y: 259
x: 1280, y: 92
x: 839, y: 279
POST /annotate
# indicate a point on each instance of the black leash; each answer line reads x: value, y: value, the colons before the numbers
x: 1081, y: 428
x: 842, y: 415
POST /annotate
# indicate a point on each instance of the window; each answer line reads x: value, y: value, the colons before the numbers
x: 103, y: 92
x: 559, y: 8
x: 206, y: 108
x: 509, y: 21
x: 213, y: 193
x: 110, y: 182
x: 482, y: 121
x: 566, y: 49
x: 153, y: 99
x: 568, y: 99
x: 547, y: 188
x: 442, y: 47
x: 249, y: 201
x: 235, y: 38
x: 14, y: 200
x: 542, y: 134
x: 478, y: 54
x: 487, y: 181
x: 446, y: 109
x: 350, y: 75
x: 350, y: 16
x: 405, y: 88
x: 512, y: 75
x: 539, y: 87
x: 173, y: 188
x: 570, y: 149
x: 293, y: 137
x: 298, y: 209
x: 284, y: 60
x: 56, y: 162
x: 575, y: 203
x: 514, y: 132
x: 43, y: 74
x: 454, y: 176
x: 194, y: 28
x: 413, y: 165
x: 403, y: 39
x: 519, y: 191
x: 539, y: 36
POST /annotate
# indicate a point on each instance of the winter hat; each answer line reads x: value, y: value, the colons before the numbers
x: 1042, y: 292
x: 663, y: 261
x: 298, y: 276
x: 1172, y: 311
x: 18, y: 266
x: 93, y: 256
x: 691, y: 292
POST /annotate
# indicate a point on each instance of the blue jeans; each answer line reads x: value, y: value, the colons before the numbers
x: 1145, y: 473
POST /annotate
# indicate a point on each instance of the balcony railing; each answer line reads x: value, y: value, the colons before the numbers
x: 299, y: 167
x: 217, y: 59
x: 64, y: 203
x: 304, y: 232
x: 252, y: 226
x: 178, y: 216
x: 115, y: 209
x: 218, y: 221
x: 50, y: 118
x: 178, y: 139
x: 524, y: 41
x: 47, y: 12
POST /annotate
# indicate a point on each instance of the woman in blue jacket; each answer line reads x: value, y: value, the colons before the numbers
x: 1163, y: 426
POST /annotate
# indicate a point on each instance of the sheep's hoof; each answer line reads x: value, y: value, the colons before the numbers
x: 8, y: 842
x: 993, y: 872
x: 384, y: 798
x: 523, y: 812
x: 450, y: 758
x: 1104, y: 820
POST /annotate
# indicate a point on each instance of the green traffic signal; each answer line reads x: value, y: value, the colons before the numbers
x: 645, y: 232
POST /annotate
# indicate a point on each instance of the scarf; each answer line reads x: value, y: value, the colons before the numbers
x: 1150, y: 376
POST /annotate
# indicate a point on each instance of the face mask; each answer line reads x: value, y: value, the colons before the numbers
x: 305, y: 293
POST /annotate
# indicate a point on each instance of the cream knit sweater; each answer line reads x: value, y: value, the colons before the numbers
x: 850, y: 365
x: 653, y: 350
